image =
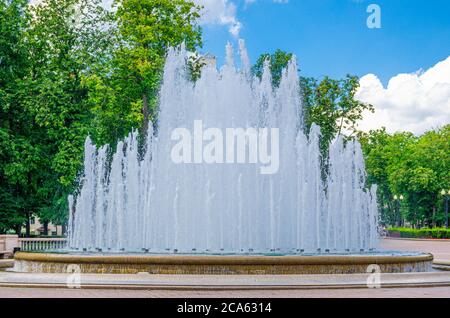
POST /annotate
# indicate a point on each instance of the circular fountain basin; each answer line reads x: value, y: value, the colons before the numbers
x: 388, y: 262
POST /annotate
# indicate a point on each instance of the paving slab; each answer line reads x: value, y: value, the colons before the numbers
x: 223, y: 282
x: 435, y: 292
x: 439, y: 248
x: 431, y: 284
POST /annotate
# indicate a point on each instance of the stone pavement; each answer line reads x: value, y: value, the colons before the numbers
x: 436, y: 292
x: 439, y: 248
x: 436, y: 284
x: 222, y: 282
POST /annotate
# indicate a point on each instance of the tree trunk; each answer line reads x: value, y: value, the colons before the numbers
x: 398, y: 215
x: 18, y: 229
x: 45, y: 228
x: 434, y: 217
x: 27, y: 226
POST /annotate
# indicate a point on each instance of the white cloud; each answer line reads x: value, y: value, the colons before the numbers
x: 414, y: 102
x: 220, y: 12
x: 215, y: 12
x: 224, y: 12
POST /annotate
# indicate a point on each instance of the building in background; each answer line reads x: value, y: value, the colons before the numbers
x: 37, y: 228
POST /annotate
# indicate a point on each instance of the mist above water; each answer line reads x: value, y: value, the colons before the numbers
x: 151, y: 204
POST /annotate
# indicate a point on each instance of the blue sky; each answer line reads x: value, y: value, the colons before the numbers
x: 404, y: 67
x: 330, y: 37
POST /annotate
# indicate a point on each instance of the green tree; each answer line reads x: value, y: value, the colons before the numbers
x: 45, y: 115
x: 329, y: 103
x: 278, y: 62
x: 429, y: 173
x: 124, y: 95
x: 17, y: 160
x: 63, y: 41
x: 416, y: 167
x: 384, y: 157
x: 71, y: 70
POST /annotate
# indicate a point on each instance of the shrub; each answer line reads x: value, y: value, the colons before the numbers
x: 435, y: 233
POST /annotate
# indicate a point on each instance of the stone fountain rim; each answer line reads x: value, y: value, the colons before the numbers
x: 353, y: 259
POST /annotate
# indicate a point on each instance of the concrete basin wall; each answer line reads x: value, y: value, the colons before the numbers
x: 221, y: 265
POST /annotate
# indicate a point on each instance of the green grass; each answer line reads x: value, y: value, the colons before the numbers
x: 435, y: 233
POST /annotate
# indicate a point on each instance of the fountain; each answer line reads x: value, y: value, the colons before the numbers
x: 142, y: 211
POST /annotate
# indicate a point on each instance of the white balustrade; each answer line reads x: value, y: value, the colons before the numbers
x: 42, y: 244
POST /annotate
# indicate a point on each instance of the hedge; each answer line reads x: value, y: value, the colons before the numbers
x: 435, y: 233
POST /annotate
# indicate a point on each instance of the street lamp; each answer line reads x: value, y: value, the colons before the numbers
x: 446, y: 195
x: 397, y: 200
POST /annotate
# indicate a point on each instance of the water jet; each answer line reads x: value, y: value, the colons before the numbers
x: 159, y: 216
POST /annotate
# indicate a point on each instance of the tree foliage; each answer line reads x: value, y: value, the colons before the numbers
x: 123, y: 94
x: 18, y: 162
x: 414, y: 167
x: 69, y: 69
x: 329, y: 103
x: 278, y: 61
x: 411, y: 167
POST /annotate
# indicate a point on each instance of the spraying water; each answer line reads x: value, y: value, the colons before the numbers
x: 152, y: 204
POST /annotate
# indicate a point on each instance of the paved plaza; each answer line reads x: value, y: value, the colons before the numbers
x: 439, y: 248
x: 436, y: 292
x: 436, y: 284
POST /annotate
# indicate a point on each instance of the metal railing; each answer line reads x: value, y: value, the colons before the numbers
x: 42, y: 244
